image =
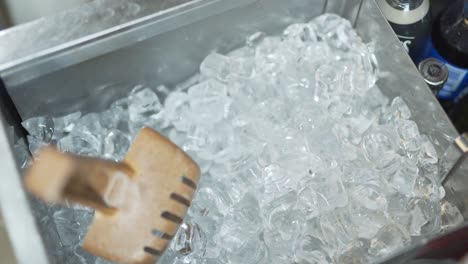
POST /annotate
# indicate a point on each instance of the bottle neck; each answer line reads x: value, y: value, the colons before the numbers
x: 405, y: 5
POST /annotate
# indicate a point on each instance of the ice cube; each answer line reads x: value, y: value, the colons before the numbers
x: 308, y: 201
x: 424, y: 220
x: 358, y: 172
x: 216, y: 66
x: 242, y: 68
x: 410, y: 135
x: 253, y: 40
x: 89, y: 123
x: 337, y: 228
x: 81, y: 143
x: 330, y: 190
x: 299, y: 33
x: 451, y: 216
x: 65, y: 124
x: 41, y: 128
x: 389, y: 239
x: 403, y: 178
x: 35, y: 144
x: 189, y: 239
x: 112, y: 119
x: 354, y: 253
x: 288, y: 223
x: 21, y: 153
x: 83, y: 257
x: 333, y: 29
x: 327, y: 83
x: 253, y: 251
x: 176, y: 110
x: 369, y: 195
x: 144, y: 105
x: 397, y: 209
x: 379, y: 142
x: 208, y: 102
x: 211, y: 201
x: 116, y: 145
x: 71, y: 225
x: 69, y: 254
x: 274, y: 178
x: 425, y: 187
x: 240, y: 224
x: 428, y: 153
x: 103, y: 261
x: 374, y: 219
x: 284, y: 201
x: 399, y: 109
x: 310, y: 249
x: 357, y: 127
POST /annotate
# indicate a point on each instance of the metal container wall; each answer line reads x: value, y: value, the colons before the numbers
x: 87, y: 74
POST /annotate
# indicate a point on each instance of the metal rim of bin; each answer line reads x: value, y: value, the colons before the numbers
x: 26, y: 240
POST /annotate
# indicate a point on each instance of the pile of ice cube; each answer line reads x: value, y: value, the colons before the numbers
x: 304, y: 160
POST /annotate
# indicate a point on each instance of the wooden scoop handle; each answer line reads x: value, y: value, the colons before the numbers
x: 101, y: 184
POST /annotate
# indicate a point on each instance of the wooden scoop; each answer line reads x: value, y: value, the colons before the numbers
x: 139, y: 202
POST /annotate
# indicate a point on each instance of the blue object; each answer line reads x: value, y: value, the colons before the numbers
x: 457, y: 83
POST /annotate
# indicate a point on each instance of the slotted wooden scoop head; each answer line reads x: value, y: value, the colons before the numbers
x: 139, y: 202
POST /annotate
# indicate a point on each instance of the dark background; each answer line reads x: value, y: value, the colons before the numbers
x: 438, y: 5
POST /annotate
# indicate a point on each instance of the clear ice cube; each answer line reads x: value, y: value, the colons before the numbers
x: 65, y: 124
x: 116, y: 144
x: 410, y: 135
x: 428, y: 153
x: 41, y: 128
x: 144, y: 105
x: 81, y: 143
x: 310, y: 249
x: 297, y: 35
x: 399, y: 109
x: 189, y: 239
x: 379, y: 142
x: 274, y: 178
x: 354, y: 253
x: 389, y: 239
x: 177, y: 111
x: 403, y: 178
x: 72, y: 225
x: 35, y: 144
x: 254, y: 39
x: 337, y: 228
x: 241, y: 223
x: 450, y: 217
x: 374, y: 221
x: 370, y: 196
x: 424, y: 220
x: 208, y: 101
x: 425, y: 187
x: 330, y: 190
x: 252, y: 251
x: 216, y: 66
x: 20, y: 150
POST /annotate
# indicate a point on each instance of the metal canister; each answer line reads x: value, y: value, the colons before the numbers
x: 411, y: 21
x: 435, y: 73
